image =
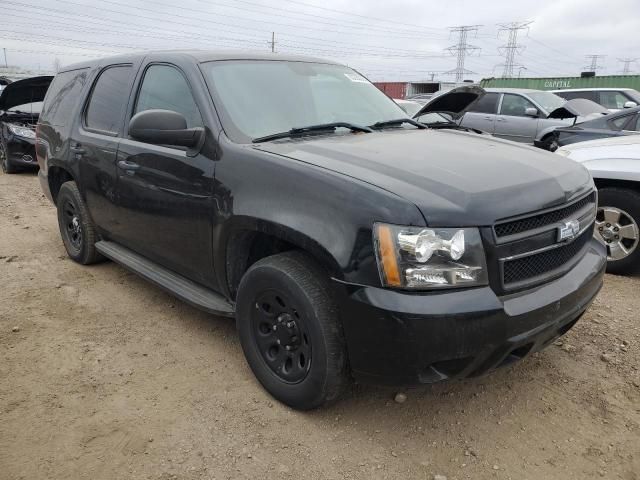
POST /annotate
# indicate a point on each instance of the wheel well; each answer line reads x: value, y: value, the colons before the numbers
x: 57, y: 176
x: 608, y: 182
x: 246, y: 247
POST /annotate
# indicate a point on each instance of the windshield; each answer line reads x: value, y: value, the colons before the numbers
x: 259, y: 98
x: 547, y: 100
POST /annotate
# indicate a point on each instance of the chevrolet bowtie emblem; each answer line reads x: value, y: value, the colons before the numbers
x: 569, y: 230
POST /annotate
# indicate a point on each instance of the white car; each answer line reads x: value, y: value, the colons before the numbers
x: 614, y: 164
x: 613, y: 99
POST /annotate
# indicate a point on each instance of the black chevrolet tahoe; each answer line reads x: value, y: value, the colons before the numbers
x: 347, y: 240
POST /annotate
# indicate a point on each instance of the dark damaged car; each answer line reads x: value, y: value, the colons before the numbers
x: 347, y: 240
x: 20, y: 104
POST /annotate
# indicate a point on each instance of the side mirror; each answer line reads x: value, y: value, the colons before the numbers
x: 630, y: 104
x: 164, y: 127
x: 531, y: 112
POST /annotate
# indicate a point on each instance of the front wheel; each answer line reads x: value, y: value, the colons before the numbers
x: 290, y: 331
x: 7, y: 166
x: 617, y: 223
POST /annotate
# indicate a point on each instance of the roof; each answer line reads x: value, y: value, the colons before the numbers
x: 201, y: 56
x: 595, y: 89
x: 511, y: 90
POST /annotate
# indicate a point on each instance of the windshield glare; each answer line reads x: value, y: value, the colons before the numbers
x: 259, y: 98
x: 547, y: 100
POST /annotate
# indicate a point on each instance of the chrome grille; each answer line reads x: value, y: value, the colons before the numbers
x: 518, y: 270
x: 529, y: 249
x: 543, y: 219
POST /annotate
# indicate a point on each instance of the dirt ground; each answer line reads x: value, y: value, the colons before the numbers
x: 108, y: 377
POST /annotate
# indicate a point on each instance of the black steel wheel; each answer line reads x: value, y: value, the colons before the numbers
x: 290, y: 330
x: 76, y: 228
x: 281, y: 336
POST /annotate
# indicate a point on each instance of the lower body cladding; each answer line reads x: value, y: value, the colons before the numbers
x: 401, y: 338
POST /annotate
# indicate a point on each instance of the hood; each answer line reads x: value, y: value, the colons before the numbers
x: 607, y: 142
x: 454, y: 102
x: 578, y: 107
x: 455, y: 178
x: 29, y: 90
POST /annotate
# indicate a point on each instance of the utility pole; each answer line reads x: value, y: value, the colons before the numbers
x: 512, y: 47
x: 462, y: 49
x: 594, y: 59
x: 273, y: 42
x: 6, y: 65
x: 626, y: 70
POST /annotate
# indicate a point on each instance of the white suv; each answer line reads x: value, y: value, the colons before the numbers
x: 613, y: 99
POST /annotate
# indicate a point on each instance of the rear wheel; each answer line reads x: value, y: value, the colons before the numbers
x: 76, y: 227
x: 290, y: 331
x: 7, y: 166
x: 618, y: 224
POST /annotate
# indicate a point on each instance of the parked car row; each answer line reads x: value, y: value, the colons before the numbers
x: 614, y: 163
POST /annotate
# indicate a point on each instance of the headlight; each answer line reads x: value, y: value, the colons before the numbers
x: 422, y: 258
x: 22, y: 131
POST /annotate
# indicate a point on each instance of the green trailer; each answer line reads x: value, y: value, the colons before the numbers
x: 558, y: 83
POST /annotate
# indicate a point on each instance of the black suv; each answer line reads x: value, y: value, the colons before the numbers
x: 346, y: 239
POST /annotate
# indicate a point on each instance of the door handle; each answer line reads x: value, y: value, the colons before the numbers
x: 77, y: 148
x: 126, y: 165
x: 500, y: 119
x: 488, y: 118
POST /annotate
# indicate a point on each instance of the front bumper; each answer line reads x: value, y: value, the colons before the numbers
x: 401, y: 338
x: 21, y: 152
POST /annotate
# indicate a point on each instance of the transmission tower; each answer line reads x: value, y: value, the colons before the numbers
x: 594, y: 59
x: 462, y: 49
x: 512, y: 47
x: 626, y: 69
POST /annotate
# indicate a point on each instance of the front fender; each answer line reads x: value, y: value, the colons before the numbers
x: 328, y: 214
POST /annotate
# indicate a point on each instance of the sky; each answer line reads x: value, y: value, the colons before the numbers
x: 399, y: 40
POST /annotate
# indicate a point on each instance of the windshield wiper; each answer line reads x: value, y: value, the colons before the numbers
x: 322, y: 127
x: 397, y: 121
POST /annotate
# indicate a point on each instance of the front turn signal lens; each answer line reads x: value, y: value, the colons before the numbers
x: 387, y: 257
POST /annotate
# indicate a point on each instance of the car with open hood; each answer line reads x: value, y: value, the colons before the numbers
x: 347, y: 240
x: 521, y: 115
x: 621, y: 123
x: 614, y: 164
x: 20, y: 104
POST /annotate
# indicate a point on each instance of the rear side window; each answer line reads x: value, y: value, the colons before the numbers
x: 62, y: 97
x: 487, y: 104
x: 164, y: 87
x: 109, y: 97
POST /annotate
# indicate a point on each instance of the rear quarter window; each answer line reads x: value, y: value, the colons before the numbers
x: 63, y: 95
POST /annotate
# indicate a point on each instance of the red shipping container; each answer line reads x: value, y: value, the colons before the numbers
x: 393, y: 89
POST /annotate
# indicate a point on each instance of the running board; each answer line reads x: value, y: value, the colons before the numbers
x: 183, y: 288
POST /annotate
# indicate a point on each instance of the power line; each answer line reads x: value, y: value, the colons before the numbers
x: 626, y: 69
x: 594, y: 59
x: 512, y: 47
x: 462, y: 49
